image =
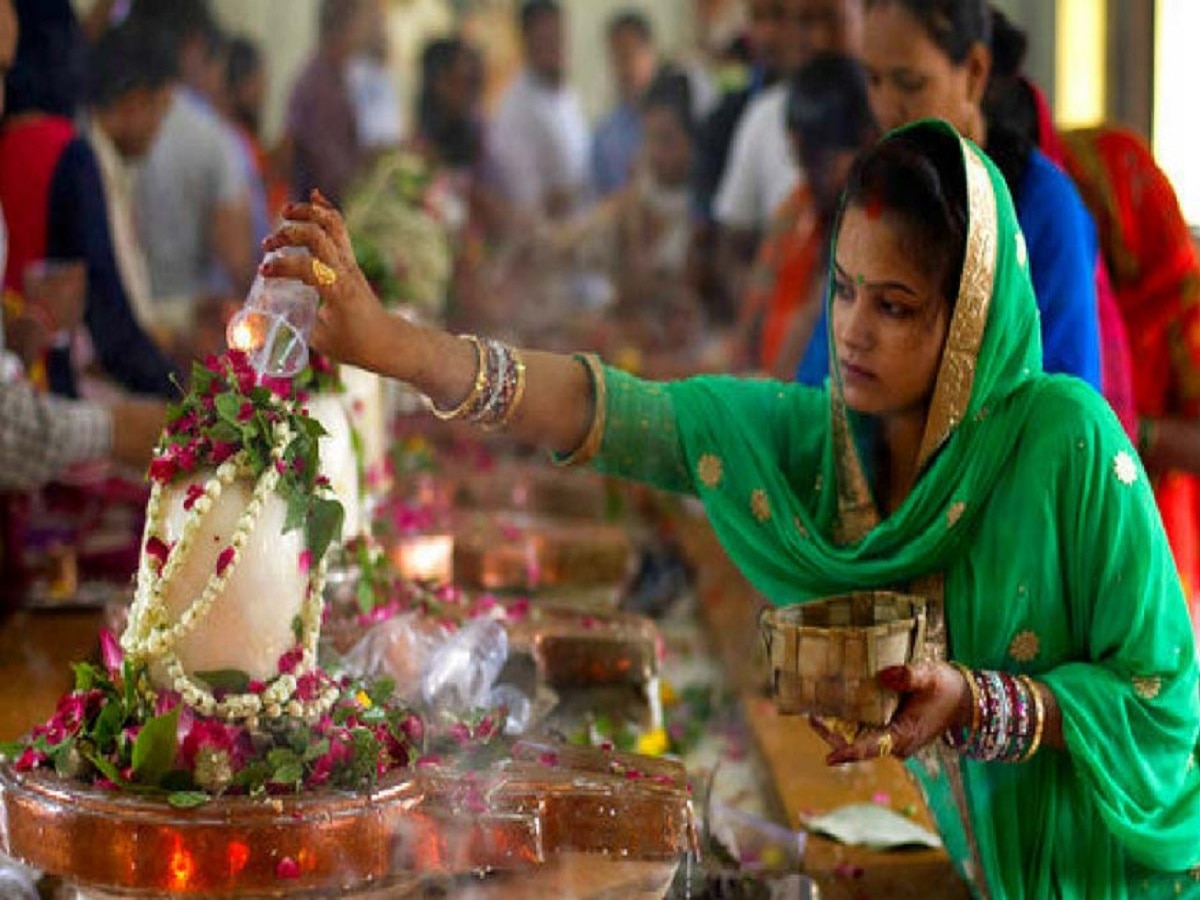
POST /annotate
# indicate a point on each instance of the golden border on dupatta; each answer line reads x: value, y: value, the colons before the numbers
x: 956, y: 377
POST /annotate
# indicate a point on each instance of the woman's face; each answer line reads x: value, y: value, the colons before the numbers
x: 889, y: 316
x: 458, y: 88
x: 909, y: 77
x: 668, y: 147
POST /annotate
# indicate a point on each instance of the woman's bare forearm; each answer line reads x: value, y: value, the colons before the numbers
x: 555, y: 412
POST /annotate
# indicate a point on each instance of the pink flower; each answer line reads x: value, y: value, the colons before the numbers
x: 214, y: 752
x: 287, y: 869
x: 548, y: 759
x: 486, y: 729
x: 30, y: 760
x: 289, y: 662
x: 158, y: 550
x: 111, y: 652
x: 225, y: 560
x: 322, y: 481
x: 413, y: 729
x: 194, y: 493
x: 238, y: 360
x: 305, y: 562
x: 280, y: 387
x: 245, y: 412
x: 308, y: 686
x: 518, y: 610
x: 460, y: 733
x: 185, y: 458
x: 72, y: 711
x: 340, y: 753
x: 256, y: 687
x: 298, y: 464
x: 166, y: 701
x: 429, y: 761
x: 222, y: 450
x: 163, y: 469
x: 185, y: 424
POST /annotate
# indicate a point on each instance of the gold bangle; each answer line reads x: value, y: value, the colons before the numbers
x: 518, y: 393
x: 974, y: 688
x: 480, y: 383
x: 586, y: 451
x: 1039, y: 710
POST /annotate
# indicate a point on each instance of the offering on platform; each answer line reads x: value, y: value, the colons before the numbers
x: 211, y: 755
x: 520, y: 552
x: 825, y: 655
x: 573, y: 648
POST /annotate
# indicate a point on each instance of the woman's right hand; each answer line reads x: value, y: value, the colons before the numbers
x: 352, y: 325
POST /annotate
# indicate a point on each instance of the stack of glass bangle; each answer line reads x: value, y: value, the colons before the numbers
x: 1007, y: 717
x: 498, y: 389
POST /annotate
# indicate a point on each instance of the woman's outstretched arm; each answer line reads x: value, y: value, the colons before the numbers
x: 557, y: 409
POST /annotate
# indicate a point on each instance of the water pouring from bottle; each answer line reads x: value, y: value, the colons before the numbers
x: 273, y: 325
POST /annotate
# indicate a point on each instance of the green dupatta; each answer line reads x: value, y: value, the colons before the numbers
x: 1032, y: 513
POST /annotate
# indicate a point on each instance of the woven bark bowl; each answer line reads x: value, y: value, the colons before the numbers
x: 825, y: 655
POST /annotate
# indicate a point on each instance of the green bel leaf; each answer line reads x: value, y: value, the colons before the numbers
x: 188, y: 799
x: 154, y: 749
x: 324, y: 524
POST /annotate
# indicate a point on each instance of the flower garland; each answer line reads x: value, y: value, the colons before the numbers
x: 248, y: 431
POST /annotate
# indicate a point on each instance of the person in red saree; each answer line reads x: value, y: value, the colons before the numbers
x: 1156, y: 275
x: 829, y: 122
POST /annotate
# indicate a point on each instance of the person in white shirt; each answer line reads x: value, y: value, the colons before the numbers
x: 377, y: 107
x: 540, y: 143
x: 762, y: 170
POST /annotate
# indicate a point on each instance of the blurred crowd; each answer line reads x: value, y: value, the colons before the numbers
x: 685, y: 229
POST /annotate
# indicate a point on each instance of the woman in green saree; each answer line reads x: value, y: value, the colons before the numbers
x: 941, y: 461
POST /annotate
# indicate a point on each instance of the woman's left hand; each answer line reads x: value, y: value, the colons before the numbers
x: 934, y: 696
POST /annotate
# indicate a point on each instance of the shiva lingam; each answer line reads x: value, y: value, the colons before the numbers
x: 212, y: 756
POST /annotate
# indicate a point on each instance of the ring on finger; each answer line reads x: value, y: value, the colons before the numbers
x: 886, y: 744
x: 324, y: 275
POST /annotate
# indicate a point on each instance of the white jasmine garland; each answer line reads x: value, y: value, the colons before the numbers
x: 151, y: 638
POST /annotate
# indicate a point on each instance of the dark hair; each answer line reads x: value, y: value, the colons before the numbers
x: 918, y: 175
x: 827, y: 106
x: 631, y: 20
x: 457, y: 140
x: 953, y: 25
x: 1008, y: 105
x: 48, y: 73
x: 671, y: 90
x: 243, y: 60
x: 532, y: 10
x: 125, y: 59
x: 175, y: 22
x: 335, y: 15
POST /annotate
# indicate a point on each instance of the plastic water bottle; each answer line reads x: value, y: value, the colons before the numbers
x: 273, y: 325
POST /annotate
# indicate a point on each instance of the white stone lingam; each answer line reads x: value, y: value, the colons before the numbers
x: 250, y: 623
x: 339, y: 463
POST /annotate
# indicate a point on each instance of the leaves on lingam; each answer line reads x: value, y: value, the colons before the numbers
x: 229, y: 410
x: 154, y: 748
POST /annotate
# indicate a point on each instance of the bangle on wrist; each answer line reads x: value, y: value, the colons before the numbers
x: 469, y: 402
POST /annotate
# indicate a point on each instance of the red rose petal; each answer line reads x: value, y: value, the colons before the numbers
x: 224, y: 560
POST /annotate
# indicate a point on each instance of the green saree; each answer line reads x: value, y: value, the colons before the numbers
x: 1032, y: 526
